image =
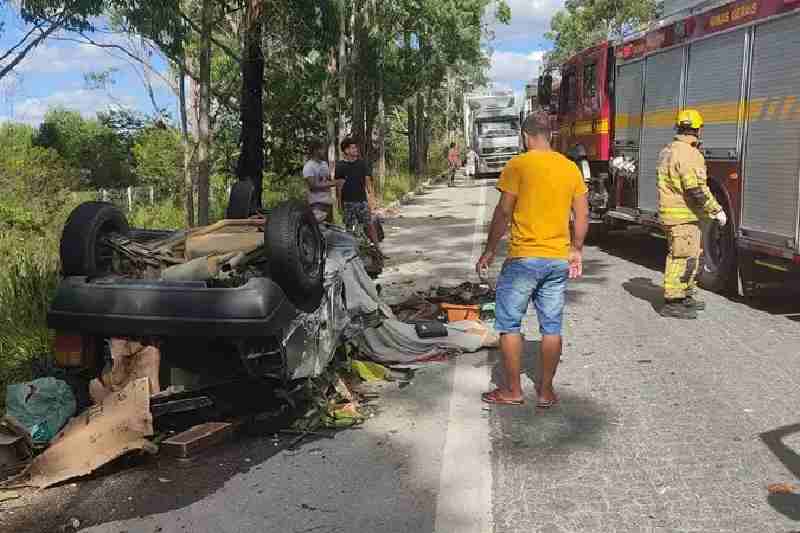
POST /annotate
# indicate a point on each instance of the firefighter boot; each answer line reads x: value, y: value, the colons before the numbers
x: 694, y: 303
x: 678, y: 309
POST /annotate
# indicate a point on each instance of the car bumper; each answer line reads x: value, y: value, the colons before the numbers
x: 143, y: 308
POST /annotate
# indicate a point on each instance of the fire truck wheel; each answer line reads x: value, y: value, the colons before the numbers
x: 83, y: 252
x: 718, y: 265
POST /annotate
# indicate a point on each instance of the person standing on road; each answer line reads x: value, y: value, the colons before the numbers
x: 317, y: 173
x: 453, y: 162
x: 356, y: 193
x: 472, y: 158
x: 683, y: 199
x: 539, y: 189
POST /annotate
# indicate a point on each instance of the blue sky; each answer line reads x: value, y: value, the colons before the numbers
x: 53, y: 74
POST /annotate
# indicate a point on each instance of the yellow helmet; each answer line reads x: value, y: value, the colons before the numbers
x: 689, y: 118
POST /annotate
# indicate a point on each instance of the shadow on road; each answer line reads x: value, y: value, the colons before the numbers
x: 786, y: 504
x: 524, y: 433
x: 645, y: 289
x: 636, y: 247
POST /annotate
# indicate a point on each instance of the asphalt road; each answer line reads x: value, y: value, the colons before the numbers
x: 664, y: 425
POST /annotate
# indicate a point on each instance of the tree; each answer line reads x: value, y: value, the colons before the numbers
x: 251, y: 157
x: 94, y: 150
x: 158, y: 159
x: 585, y: 23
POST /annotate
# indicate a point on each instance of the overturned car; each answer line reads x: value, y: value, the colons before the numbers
x: 262, y: 296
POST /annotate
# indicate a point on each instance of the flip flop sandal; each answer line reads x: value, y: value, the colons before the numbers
x: 546, y: 404
x: 493, y: 398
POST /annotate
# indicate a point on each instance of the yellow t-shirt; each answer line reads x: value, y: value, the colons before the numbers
x: 545, y: 184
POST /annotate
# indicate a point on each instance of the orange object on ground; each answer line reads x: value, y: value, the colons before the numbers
x: 458, y: 312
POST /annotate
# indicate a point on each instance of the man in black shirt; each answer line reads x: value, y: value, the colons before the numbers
x: 356, y: 190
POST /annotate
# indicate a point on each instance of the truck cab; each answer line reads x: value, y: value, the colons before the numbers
x: 492, y: 127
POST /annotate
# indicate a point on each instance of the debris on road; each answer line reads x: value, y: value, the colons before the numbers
x: 41, y: 406
x: 197, y: 439
x: 782, y: 488
x: 457, y: 312
x: 16, y: 448
x: 369, y: 371
x: 102, y: 433
x: 6, y: 495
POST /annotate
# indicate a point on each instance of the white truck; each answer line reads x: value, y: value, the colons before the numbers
x: 492, y: 130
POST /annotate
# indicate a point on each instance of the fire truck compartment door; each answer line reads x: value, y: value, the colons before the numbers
x: 714, y: 87
x: 628, y: 105
x: 772, y: 158
x: 662, y: 91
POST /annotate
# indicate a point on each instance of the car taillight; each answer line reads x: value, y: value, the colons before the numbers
x: 73, y: 350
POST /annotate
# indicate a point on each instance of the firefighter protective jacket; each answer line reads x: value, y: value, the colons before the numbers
x: 683, y: 193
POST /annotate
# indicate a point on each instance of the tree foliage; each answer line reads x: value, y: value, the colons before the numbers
x: 584, y: 23
x: 95, y: 151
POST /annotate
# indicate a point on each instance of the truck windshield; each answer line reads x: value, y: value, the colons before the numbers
x: 498, y: 128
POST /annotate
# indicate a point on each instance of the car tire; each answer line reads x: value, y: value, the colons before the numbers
x: 718, y: 264
x: 240, y: 203
x: 296, y: 254
x: 82, y: 252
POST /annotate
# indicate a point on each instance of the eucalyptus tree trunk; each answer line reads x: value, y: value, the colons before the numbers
x: 342, y: 68
x: 188, y: 182
x: 204, y: 114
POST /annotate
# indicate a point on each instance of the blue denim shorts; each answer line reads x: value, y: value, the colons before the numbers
x: 524, y: 280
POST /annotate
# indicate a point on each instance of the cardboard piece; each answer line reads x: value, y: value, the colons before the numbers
x: 130, y: 361
x: 97, y: 436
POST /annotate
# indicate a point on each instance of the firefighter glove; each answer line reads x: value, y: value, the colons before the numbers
x: 721, y: 218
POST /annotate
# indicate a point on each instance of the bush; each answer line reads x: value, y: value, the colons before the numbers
x: 161, y: 215
x: 28, y: 278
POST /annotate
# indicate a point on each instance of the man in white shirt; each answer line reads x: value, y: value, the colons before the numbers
x: 317, y: 173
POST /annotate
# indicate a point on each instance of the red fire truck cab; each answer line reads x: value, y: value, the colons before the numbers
x: 739, y: 65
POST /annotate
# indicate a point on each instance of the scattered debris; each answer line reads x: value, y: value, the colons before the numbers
x: 162, y: 407
x: 97, y: 436
x: 369, y: 371
x: 197, y: 439
x: 130, y: 361
x: 782, y: 488
x: 72, y: 525
x: 457, y: 312
x: 16, y: 448
x: 41, y: 406
x: 6, y: 495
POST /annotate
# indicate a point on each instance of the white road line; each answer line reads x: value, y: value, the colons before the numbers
x: 464, y: 503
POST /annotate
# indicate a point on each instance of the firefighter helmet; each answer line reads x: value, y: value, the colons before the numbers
x: 689, y: 118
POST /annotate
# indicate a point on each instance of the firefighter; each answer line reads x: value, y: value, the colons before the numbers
x: 683, y: 200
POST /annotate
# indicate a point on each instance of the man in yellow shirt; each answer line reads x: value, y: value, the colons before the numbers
x: 539, y: 189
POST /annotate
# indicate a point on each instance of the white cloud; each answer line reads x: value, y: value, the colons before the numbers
x: 529, y: 20
x: 68, y: 58
x: 87, y: 102
x: 508, y: 68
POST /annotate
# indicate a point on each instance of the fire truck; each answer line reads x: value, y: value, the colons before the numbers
x: 738, y: 63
